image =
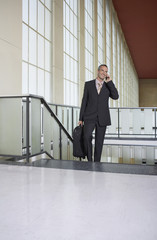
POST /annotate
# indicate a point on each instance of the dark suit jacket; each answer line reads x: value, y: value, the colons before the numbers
x: 94, y: 104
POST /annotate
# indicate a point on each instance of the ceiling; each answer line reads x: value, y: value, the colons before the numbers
x: 138, y: 19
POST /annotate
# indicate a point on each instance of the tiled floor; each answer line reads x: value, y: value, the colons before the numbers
x: 60, y: 204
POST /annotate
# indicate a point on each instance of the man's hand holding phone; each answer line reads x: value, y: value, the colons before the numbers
x: 108, y: 78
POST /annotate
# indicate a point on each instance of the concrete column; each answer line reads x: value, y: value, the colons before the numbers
x: 95, y: 39
x: 104, y: 28
x: 57, y: 53
x: 81, y: 50
x: 116, y: 77
x: 111, y: 53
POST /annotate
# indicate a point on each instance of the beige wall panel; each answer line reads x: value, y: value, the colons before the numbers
x: 57, y: 71
x: 81, y: 51
x: 10, y: 69
x: 11, y: 47
x: 148, y: 93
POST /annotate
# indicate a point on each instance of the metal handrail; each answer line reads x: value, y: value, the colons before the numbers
x: 43, y: 101
x: 72, y: 106
x: 118, y: 134
x: 47, y: 106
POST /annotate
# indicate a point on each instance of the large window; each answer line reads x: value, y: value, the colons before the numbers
x: 89, y: 27
x: 70, y: 15
x: 89, y: 40
x: 36, y: 48
x: 100, y: 22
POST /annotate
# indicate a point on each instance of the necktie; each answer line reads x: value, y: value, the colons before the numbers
x: 99, y: 87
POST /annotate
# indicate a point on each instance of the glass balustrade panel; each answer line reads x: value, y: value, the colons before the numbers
x: 11, y: 126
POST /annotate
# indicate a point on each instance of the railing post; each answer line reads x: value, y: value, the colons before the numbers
x: 27, y: 129
x: 155, y: 120
x: 60, y: 143
x: 118, y: 122
x: 72, y: 119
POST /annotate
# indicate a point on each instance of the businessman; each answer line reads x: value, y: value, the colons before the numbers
x: 94, y: 112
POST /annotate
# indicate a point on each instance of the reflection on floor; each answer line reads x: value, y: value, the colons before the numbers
x: 61, y: 204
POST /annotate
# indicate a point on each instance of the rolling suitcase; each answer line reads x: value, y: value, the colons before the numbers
x: 78, y: 143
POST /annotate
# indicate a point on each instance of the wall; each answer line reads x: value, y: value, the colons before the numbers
x: 10, y: 47
x: 148, y: 92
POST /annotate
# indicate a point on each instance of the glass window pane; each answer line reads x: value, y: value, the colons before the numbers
x: 71, y: 45
x: 40, y: 18
x: 75, y: 48
x: 67, y: 93
x: 48, y: 4
x: 67, y: 67
x: 41, y: 82
x: 67, y: 13
x: 64, y: 46
x: 24, y: 42
x: 47, y: 56
x: 71, y: 3
x: 75, y: 94
x: 64, y: 11
x: 47, y: 86
x: 75, y: 26
x: 33, y: 13
x: 25, y: 11
x: 64, y: 66
x: 71, y: 21
x: 71, y: 69
x: 67, y: 42
x: 32, y: 80
x: 72, y: 93
x: 75, y: 75
x: 47, y: 24
x: 32, y: 46
x: 75, y: 7
x: 25, y: 78
x: 40, y: 51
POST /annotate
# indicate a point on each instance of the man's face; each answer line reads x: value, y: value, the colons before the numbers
x: 102, y: 73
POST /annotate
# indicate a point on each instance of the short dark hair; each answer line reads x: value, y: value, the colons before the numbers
x: 101, y: 66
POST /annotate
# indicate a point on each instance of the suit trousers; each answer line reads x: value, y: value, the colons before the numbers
x: 89, y: 127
